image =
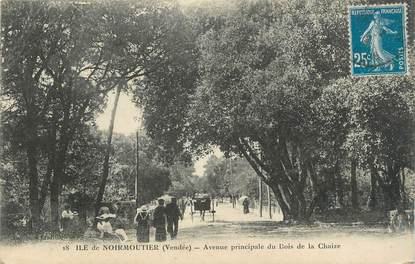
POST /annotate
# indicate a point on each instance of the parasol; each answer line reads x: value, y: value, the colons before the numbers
x: 243, y: 197
x: 166, y: 198
x: 201, y: 196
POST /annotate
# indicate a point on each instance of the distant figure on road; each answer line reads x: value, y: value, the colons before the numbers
x: 159, y: 221
x: 245, y: 203
x: 142, y: 220
x: 182, y: 205
x: 173, y: 215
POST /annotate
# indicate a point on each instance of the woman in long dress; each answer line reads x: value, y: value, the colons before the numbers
x: 379, y: 56
x: 142, y: 220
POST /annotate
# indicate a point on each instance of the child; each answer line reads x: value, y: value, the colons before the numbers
x: 104, y: 225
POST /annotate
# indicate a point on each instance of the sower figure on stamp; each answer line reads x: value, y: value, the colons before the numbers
x: 142, y: 220
x: 173, y: 214
x: 379, y: 56
x: 159, y: 221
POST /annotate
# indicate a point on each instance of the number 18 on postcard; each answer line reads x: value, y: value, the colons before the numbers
x: 378, y: 40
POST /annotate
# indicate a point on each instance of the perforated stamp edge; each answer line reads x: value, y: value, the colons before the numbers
x: 405, y: 31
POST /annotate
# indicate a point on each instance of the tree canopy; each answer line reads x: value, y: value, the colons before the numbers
x: 273, y: 86
x: 266, y: 81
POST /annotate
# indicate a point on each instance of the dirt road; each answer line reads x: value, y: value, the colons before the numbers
x: 232, y: 238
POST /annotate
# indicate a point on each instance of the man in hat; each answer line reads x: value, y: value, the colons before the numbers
x: 159, y: 221
x: 173, y: 214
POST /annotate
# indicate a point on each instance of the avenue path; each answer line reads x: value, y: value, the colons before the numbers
x: 226, y: 220
x: 232, y: 238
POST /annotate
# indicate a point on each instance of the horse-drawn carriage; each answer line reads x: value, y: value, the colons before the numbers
x: 202, y: 203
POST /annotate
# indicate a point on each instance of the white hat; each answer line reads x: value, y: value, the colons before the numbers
x: 104, y: 216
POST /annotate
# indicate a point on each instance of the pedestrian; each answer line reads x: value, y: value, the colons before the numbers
x: 173, y: 214
x: 245, y: 204
x: 182, y: 205
x: 66, y: 220
x: 159, y: 221
x: 104, y: 226
x: 190, y: 203
x: 142, y: 220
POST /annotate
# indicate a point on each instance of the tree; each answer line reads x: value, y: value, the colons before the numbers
x: 228, y: 177
x: 153, y: 177
x: 272, y: 86
x: 21, y: 77
x: 260, y: 80
x: 63, y: 85
x: 213, y: 180
x: 183, y: 182
x: 382, y: 133
x: 72, y: 55
x: 157, y: 41
x: 241, y: 178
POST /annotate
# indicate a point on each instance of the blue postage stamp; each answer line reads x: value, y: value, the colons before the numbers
x: 378, y: 40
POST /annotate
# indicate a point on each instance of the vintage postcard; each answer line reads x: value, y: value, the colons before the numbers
x: 207, y: 131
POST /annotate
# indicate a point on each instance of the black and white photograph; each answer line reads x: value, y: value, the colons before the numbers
x: 207, y: 131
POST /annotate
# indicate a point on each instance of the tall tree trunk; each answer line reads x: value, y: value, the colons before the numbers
x: 339, y: 184
x: 56, y: 184
x: 289, y: 205
x: 54, y: 202
x: 395, y: 188
x: 281, y: 202
x: 260, y: 196
x: 59, y: 169
x: 137, y: 168
x: 319, y: 193
x: 269, y: 202
x: 33, y: 177
x: 45, y: 186
x: 105, y: 170
x: 372, y: 203
x: 286, y: 184
x: 391, y: 187
x: 51, y: 163
x: 302, y: 207
x: 29, y: 93
x: 353, y: 184
x: 404, y: 197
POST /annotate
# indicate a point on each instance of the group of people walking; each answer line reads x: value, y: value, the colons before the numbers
x: 113, y: 225
x: 162, y: 215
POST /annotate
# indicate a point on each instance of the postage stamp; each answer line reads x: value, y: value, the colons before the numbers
x: 378, y: 40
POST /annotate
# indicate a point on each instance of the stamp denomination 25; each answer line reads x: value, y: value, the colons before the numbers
x: 378, y: 40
